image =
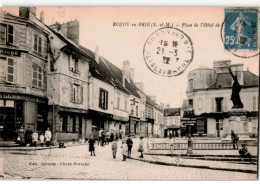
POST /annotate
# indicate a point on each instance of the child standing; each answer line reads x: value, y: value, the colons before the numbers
x: 124, y: 150
x: 114, y: 148
x: 41, y: 139
x: 35, y: 138
x: 91, y: 146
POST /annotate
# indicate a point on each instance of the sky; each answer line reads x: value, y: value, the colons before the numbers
x: 120, y: 43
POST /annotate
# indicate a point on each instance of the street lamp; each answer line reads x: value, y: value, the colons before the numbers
x: 189, y: 149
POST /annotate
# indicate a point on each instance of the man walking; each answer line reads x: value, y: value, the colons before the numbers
x: 48, y: 137
x: 129, y: 143
x: 28, y: 137
x: 234, y: 138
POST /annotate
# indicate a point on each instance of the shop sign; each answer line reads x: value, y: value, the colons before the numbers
x: 10, y: 52
x: 20, y: 97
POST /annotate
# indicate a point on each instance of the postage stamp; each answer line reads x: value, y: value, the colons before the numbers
x: 168, y: 51
x: 240, y: 32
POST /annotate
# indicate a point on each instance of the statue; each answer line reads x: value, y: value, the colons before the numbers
x: 236, y: 88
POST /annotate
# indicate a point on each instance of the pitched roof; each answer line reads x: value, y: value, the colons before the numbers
x: 119, y: 75
x: 103, y: 71
x: 224, y: 80
x: 172, y: 112
x: 149, y: 101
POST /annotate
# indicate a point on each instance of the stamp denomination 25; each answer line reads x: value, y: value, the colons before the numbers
x: 168, y: 51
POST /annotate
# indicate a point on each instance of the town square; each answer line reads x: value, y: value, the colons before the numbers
x: 84, y: 95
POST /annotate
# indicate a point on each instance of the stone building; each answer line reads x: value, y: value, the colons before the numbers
x: 209, y: 107
x: 172, y: 121
x: 68, y: 89
x: 23, y: 69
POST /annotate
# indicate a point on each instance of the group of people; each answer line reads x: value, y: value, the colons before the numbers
x: 104, y: 137
x: 126, y: 146
x: 243, y: 152
x: 31, y: 138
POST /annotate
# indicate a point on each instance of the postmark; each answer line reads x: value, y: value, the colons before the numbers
x: 168, y: 51
x: 240, y: 32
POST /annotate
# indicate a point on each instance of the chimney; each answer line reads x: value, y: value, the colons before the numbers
x: 126, y: 70
x: 42, y: 19
x: 132, y: 74
x: 97, y: 54
x: 27, y: 12
x: 69, y: 29
x: 140, y: 85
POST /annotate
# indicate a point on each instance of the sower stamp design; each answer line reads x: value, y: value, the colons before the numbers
x: 241, y: 32
x: 168, y: 51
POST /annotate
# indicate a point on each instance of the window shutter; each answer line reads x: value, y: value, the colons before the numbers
x: 16, y: 37
x: 106, y: 98
x: 45, y: 48
x: 81, y: 94
x: 224, y: 106
x: 100, y: 98
x: 212, y: 104
x: 10, y: 34
x: 10, y: 71
x: 71, y: 92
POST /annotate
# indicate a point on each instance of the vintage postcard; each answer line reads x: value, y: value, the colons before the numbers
x: 129, y: 93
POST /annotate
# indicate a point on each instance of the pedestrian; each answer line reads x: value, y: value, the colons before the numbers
x: 171, y: 141
x: 170, y: 135
x: 141, y: 148
x: 129, y: 143
x: 234, y: 138
x: 91, y: 143
x: 244, y: 153
x: 114, y: 148
x: 107, y: 136
x: 100, y: 136
x: 124, y: 150
x: 117, y: 136
x: 28, y: 137
x: 48, y: 136
x: 103, y: 138
x: 35, y: 138
x: 120, y: 135
x: 41, y: 139
x: 112, y: 136
x: 20, y: 137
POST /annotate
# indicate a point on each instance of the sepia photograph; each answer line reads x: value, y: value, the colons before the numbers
x: 129, y: 93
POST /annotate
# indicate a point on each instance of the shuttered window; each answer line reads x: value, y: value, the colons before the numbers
x: 103, y: 99
x: 6, y: 34
x: 10, y: 71
x: 37, y: 76
x: 37, y: 43
x: 254, y: 103
x: 76, y: 94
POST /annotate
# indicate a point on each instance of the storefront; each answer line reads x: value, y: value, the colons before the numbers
x: 133, y: 127
x: 17, y: 110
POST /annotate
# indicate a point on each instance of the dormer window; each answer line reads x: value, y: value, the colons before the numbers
x: 73, y: 64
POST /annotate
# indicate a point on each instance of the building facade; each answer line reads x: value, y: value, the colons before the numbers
x: 172, y: 121
x: 23, y: 66
x: 210, y: 108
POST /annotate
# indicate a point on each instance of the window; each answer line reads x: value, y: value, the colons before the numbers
x: 254, y: 103
x: 73, y: 123
x: 190, y: 101
x: 73, y: 64
x: 37, y: 43
x: 64, y: 123
x: 10, y: 71
x: 191, y: 84
x: 103, y: 99
x: 37, y: 76
x: 76, y: 93
x: 118, y: 102
x: 125, y: 105
x: 6, y: 34
x: 136, y: 111
x: 219, y: 104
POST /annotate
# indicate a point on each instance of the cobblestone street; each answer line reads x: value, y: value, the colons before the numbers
x: 75, y: 162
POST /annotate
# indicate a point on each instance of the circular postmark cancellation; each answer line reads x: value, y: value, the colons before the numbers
x: 168, y: 51
x: 26, y: 158
x: 240, y: 31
